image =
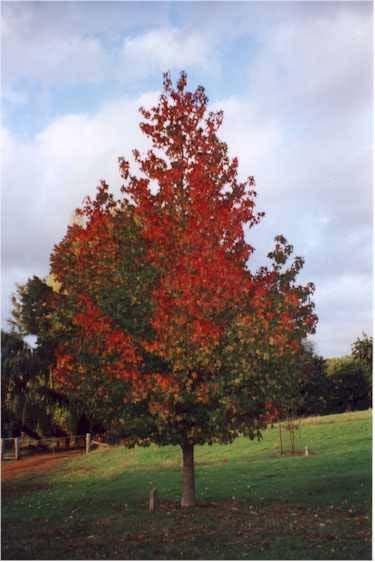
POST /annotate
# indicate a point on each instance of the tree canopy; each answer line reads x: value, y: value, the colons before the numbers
x: 163, y: 330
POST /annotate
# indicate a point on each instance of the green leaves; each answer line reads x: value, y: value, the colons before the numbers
x: 157, y: 316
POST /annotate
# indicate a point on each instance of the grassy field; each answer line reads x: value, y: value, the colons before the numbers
x: 252, y: 503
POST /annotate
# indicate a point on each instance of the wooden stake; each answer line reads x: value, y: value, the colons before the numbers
x: 88, y: 440
x: 154, y: 500
x: 17, y: 448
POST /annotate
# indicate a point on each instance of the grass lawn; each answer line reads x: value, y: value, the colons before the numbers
x: 252, y: 504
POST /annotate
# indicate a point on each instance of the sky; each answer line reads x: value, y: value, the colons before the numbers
x: 294, y: 80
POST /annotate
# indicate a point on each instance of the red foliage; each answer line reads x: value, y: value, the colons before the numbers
x: 272, y: 413
x: 192, y: 228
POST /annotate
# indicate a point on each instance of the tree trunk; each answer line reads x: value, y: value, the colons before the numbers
x: 188, y: 480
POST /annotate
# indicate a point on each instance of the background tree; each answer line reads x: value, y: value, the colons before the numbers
x: 315, y: 387
x: 362, y: 352
x: 16, y: 372
x: 26, y: 403
x: 349, y: 385
x: 50, y: 411
x: 165, y: 333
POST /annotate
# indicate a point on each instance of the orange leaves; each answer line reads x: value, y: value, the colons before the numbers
x: 205, y: 333
x: 165, y: 382
x: 105, y: 340
x: 292, y: 299
x: 91, y: 250
x: 64, y: 366
x: 162, y: 300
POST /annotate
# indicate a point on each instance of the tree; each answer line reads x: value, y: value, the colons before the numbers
x: 315, y: 386
x: 349, y: 385
x: 311, y: 387
x: 31, y: 307
x: 48, y: 411
x: 16, y: 372
x: 362, y: 352
x: 26, y: 403
x: 165, y: 332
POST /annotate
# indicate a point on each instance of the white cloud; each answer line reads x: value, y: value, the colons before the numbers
x: 308, y: 63
x: 164, y: 49
x: 87, y: 44
x: 300, y: 122
x: 250, y: 136
x: 67, y: 42
x: 46, y: 178
x: 345, y: 311
x: 303, y: 129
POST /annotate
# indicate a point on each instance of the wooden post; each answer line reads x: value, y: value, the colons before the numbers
x: 17, y: 448
x: 154, y: 500
x: 88, y: 440
x: 306, y: 451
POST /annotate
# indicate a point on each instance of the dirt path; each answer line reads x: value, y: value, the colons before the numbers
x: 34, y: 464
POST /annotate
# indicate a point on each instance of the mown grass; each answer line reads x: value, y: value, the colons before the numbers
x: 252, y: 503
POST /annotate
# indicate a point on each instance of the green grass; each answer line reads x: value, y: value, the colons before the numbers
x: 252, y: 503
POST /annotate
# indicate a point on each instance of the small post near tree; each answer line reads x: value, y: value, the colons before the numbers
x: 153, y: 500
x: 87, y: 443
x: 156, y: 308
x: 17, y: 448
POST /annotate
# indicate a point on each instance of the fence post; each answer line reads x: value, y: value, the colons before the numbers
x: 88, y: 440
x: 17, y: 448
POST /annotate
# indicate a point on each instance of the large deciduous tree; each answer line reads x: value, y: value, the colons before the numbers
x: 164, y: 330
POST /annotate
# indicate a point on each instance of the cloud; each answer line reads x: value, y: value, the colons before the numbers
x: 165, y: 49
x: 299, y: 120
x: 302, y: 127
x: 53, y: 59
x: 47, y: 177
x: 312, y: 62
x: 348, y: 297
x: 88, y: 44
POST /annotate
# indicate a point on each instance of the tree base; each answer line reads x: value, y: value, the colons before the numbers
x: 188, y: 481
